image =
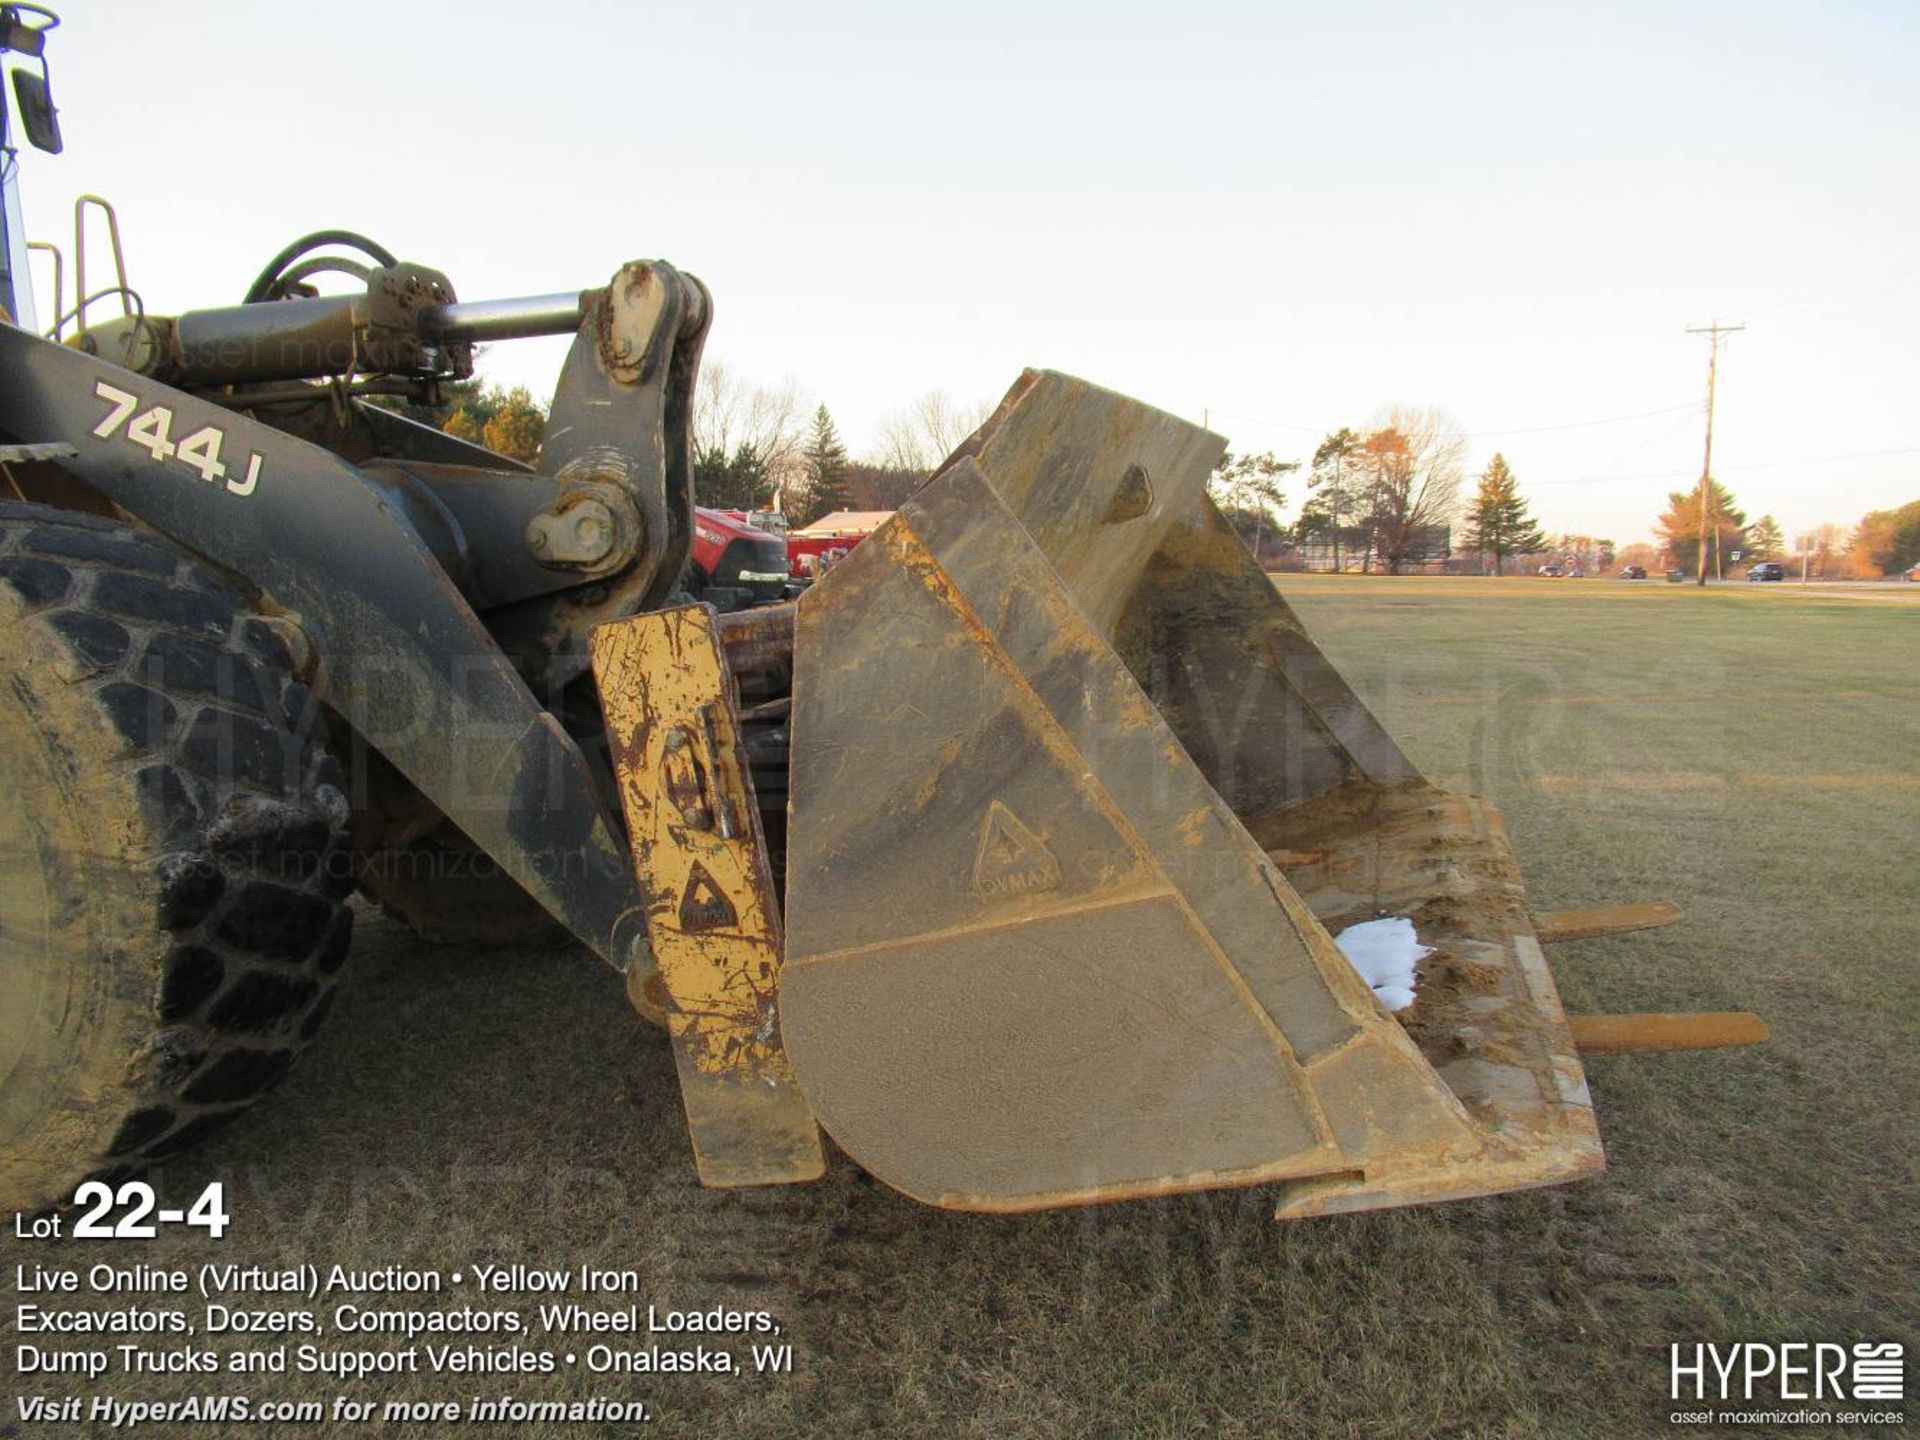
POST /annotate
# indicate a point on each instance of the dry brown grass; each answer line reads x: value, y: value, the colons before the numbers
x: 509, y: 1108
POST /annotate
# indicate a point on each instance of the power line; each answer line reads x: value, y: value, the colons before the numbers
x: 1583, y: 424
x: 1826, y: 459
x: 1854, y: 290
x: 1604, y: 470
x: 1268, y: 424
x: 1736, y: 470
x: 1482, y: 432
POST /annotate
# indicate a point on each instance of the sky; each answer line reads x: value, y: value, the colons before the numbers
x: 1275, y: 218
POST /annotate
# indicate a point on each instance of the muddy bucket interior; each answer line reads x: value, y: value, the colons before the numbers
x: 1069, y: 810
x: 1047, y: 726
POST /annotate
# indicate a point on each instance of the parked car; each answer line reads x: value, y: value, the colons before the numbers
x: 1632, y: 572
x: 1553, y: 570
x: 1768, y: 570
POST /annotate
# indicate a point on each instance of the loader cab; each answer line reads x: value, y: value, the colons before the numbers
x: 28, y: 113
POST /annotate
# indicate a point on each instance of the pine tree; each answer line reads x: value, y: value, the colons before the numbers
x: 518, y: 428
x: 1679, y: 528
x: 1335, y: 494
x: 1497, y: 522
x: 1764, y: 541
x: 732, y: 481
x: 509, y: 422
x: 825, y: 459
x: 1248, y: 492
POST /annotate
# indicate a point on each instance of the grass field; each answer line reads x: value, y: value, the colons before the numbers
x: 1753, y: 756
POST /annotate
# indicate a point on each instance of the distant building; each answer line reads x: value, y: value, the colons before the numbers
x: 847, y: 522
x: 1351, y: 547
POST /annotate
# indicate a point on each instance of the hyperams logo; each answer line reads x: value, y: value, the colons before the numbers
x: 1749, y: 1381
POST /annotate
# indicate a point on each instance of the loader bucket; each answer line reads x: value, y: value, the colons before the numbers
x: 1076, y: 810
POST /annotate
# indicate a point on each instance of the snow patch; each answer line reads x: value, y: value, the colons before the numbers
x: 1385, y: 952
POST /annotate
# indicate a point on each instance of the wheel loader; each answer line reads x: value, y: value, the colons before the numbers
x: 1011, y: 857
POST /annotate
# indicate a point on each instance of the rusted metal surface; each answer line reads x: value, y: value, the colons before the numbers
x: 758, y: 639
x: 1114, y: 493
x: 621, y: 421
x: 1055, y: 704
x: 674, y: 732
x: 1556, y: 925
x: 1486, y: 1014
x: 1631, y: 1034
x: 1033, y: 959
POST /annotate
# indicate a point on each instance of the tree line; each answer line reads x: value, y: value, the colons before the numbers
x: 1385, y: 497
x: 1382, y: 498
x: 1388, y: 497
x: 1882, y: 543
x: 755, y: 446
x: 752, y: 446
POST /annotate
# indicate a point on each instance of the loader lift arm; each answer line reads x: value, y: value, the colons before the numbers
x: 370, y: 559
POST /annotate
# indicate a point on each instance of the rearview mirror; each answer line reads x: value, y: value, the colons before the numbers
x: 37, y: 115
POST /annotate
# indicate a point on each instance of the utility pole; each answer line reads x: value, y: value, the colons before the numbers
x: 1713, y: 332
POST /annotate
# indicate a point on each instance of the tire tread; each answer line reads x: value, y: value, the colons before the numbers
x: 239, y: 801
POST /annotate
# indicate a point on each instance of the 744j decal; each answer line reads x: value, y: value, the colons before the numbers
x: 151, y: 431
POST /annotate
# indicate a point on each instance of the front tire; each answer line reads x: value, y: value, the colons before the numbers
x: 174, y: 862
